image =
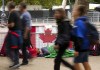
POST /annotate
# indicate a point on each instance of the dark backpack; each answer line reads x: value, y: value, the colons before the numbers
x: 92, y: 33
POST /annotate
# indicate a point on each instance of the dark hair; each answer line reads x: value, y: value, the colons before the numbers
x: 62, y: 11
x: 82, y: 9
x: 24, y: 5
x: 11, y: 4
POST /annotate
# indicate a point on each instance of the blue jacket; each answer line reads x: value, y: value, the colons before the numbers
x: 80, y: 31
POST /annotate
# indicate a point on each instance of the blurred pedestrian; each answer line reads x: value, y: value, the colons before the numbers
x: 14, y: 37
x: 80, y: 38
x: 25, y: 21
x: 63, y: 38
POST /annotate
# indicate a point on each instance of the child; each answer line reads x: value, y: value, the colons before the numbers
x: 63, y: 38
x: 81, y: 40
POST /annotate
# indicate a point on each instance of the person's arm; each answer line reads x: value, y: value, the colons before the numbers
x: 79, y: 34
x: 10, y: 25
x: 78, y: 45
x: 27, y: 26
x: 26, y: 32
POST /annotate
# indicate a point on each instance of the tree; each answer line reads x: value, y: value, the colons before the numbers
x: 45, y: 3
x: 0, y: 2
x: 95, y: 1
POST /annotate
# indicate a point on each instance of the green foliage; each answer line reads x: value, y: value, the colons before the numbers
x: 0, y: 2
x: 44, y: 3
x: 97, y: 1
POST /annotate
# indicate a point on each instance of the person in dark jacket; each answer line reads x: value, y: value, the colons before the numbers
x: 63, y: 38
x: 80, y: 38
x: 14, y: 37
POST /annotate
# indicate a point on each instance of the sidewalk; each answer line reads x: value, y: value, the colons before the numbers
x: 47, y: 64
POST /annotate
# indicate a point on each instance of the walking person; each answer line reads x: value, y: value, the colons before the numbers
x: 63, y: 38
x: 80, y: 38
x: 14, y: 38
x: 25, y: 21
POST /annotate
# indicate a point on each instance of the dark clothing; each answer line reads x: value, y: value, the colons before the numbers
x: 24, y: 52
x: 27, y: 41
x: 25, y: 21
x: 26, y: 44
x: 83, y: 57
x: 64, y: 29
x: 12, y: 43
x: 62, y: 41
x: 80, y: 35
x: 59, y: 59
x: 14, y: 39
x: 77, y: 43
x: 14, y: 17
x: 13, y: 54
x: 45, y: 51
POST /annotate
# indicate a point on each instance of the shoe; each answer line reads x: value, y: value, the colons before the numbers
x: 24, y: 64
x: 11, y: 65
x: 15, y: 66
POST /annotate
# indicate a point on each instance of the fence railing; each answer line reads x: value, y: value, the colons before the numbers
x: 38, y: 40
x: 94, y: 17
x: 43, y: 20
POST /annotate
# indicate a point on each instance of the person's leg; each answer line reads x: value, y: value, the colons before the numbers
x: 45, y: 51
x: 24, y: 52
x: 8, y: 52
x: 67, y: 64
x: 77, y: 60
x: 77, y: 66
x: 58, y: 58
x: 16, y: 56
x: 85, y: 62
x: 86, y: 66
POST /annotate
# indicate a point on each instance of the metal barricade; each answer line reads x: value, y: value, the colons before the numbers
x: 94, y: 17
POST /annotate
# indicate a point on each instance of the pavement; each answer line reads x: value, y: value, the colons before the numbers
x: 47, y: 64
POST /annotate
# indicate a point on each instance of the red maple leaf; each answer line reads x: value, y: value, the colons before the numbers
x: 47, y: 37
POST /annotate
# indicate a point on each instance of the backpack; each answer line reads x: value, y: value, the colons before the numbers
x: 92, y: 33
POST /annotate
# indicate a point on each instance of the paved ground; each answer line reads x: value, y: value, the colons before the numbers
x: 46, y: 64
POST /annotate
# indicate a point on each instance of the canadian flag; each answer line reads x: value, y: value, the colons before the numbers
x: 42, y: 36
